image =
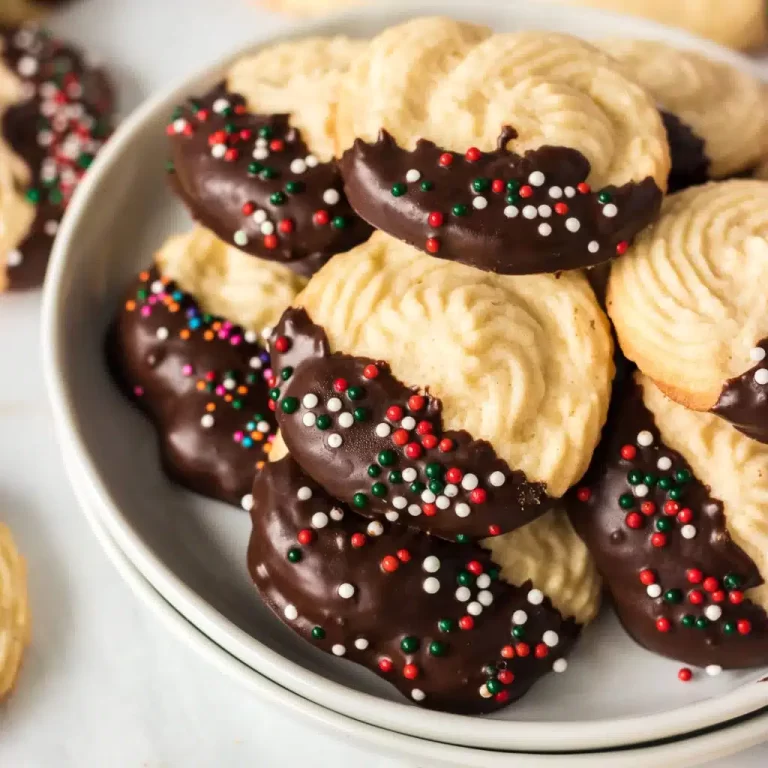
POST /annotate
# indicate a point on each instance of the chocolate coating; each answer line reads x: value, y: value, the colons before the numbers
x: 376, y: 594
x: 715, y: 610
x: 201, y: 382
x: 496, y: 210
x: 399, y: 464
x: 744, y: 402
x: 57, y: 130
x: 690, y: 164
x: 268, y: 194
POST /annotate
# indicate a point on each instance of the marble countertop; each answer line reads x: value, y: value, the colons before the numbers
x: 104, y: 683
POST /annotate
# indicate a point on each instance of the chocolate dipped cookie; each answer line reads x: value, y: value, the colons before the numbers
x: 688, y: 302
x: 201, y: 380
x: 674, y: 511
x: 253, y: 161
x: 556, y: 167
x: 56, y: 114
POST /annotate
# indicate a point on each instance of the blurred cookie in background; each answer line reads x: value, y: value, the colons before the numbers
x: 15, y: 625
x: 18, y: 11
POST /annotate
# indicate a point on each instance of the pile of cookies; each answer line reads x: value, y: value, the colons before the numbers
x: 386, y: 339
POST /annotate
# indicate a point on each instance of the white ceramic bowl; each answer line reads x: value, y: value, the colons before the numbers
x: 193, y: 551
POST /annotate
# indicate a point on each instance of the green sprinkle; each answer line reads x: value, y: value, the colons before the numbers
x: 513, y: 185
x: 269, y: 173
x: 398, y: 190
x: 286, y: 373
x: 33, y: 195
x: 374, y: 470
x: 676, y: 494
x: 277, y: 198
x: 386, y: 458
x: 494, y: 685
x: 436, y: 486
x: 604, y: 197
x: 626, y: 501
x: 650, y: 480
x: 360, y: 414
x: 435, y: 471
x: 417, y: 487
x: 729, y: 627
x: 666, y: 483
x: 688, y: 620
x: 436, y: 648
x: 460, y: 210
x: 395, y: 477
x: 481, y: 184
x: 294, y: 187
x: 318, y: 633
x: 446, y: 625
x: 289, y: 405
x: 635, y: 477
x: 274, y: 394
x: 518, y: 632
x: 265, y: 132
x: 230, y: 127
x: 465, y: 578
x: 255, y: 168
x: 409, y: 644
x: 512, y: 199
x: 664, y: 524
x: 732, y: 581
x: 294, y: 555
x: 85, y: 160
x: 673, y: 596
x: 462, y: 538
x: 702, y: 622
x: 356, y: 393
x: 682, y: 475
x: 338, y: 222
x: 323, y: 421
x: 360, y: 500
x: 427, y: 186
x: 379, y: 490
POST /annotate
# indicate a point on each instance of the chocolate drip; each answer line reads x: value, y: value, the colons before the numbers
x: 744, y: 400
x: 690, y: 164
x: 57, y: 130
x: 660, y: 541
x: 497, y: 211
x: 428, y: 616
x: 253, y: 181
x: 378, y: 445
x: 200, y: 380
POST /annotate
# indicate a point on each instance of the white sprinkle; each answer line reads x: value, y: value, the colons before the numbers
x: 431, y: 564
x: 361, y: 643
x: 418, y: 695
x: 304, y: 493
x: 545, y: 230
x: 555, y: 193
x: 27, y: 66
x: 519, y: 617
x: 653, y: 591
x: 334, y: 405
x: 247, y: 502
x: 485, y: 597
x: 51, y: 227
x: 483, y: 581
x: 479, y: 202
x: 311, y: 161
x: 550, y: 638
x: 431, y: 585
x: 399, y: 502
x: 757, y: 354
x: 593, y: 246
x: 251, y: 337
x: 240, y: 238
x: 428, y: 497
x: 291, y: 613
x: 45, y: 138
x: 331, y: 196
x: 530, y: 212
x: 319, y: 520
x: 229, y: 384
x: 220, y: 105
x: 308, y: 419
x: 462, y: 594
x: 713, y: 670
x: 664, y: 463
x: 713, y: 612
x: 346, y: 590
x: 346, y: 420
x: 24, y: 38
x: 572, y: 225
x: 688, y: 531
x: 610, y: 210
x: 484, y: 692
x: 162, y: 333
x: 443, y: 502
x: 451, y: 490
x: 335, y: 440
x: 298, y: 166
x: 497, y: 479
x: 408, y: 423
x: 469, y: 482
x: 14, y: 258
x: 641, y: 491
x: 338, y: 650
x: 474, y: 608
x: 511, y: 211
x: 219, y: 150
x: 761, y: 376
x: 409, y: 474
x: 260, y: 153
x: 412, y: 175
x: 337, y: 514
x: 535, y: 597
x: 569, y: 192
x: 537, y: 178
x: 375, y: 528
x: 266, y: 333
x: 259, y: 216
x: 383, y: 429
x: 545, y: 211
x: 309, y: 400
x: 644, y: 438
x: 207, y: 421
x: 462, y: 510
x: 267, y: 228
x: 261, y: 142
x: 560, y: 666
x: 392, y: 516
x: 414, y: 510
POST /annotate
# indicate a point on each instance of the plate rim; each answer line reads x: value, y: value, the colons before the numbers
x: 396, y: 716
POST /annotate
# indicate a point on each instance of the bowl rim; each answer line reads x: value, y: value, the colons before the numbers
x: 546, y: 736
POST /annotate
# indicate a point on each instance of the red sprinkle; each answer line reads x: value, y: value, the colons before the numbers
x: 389, y: 563
x: 248, y: 208
x: 628, y: 452
x: 270, y: 242
x: 621, y: 248
x: 410, y: 671
x: 502, y: 696
x: 506, y: 677
x: 475, y: 567
x: 736, y: 597
x: 508, y: 652
x: 662, y: 624
x: 285, y: 226
x: 430, y: 510
x: 385, y: 664
x: 403, y: 555
x: 413, y: 450
x: 246, y: 134
x: 277, y: 145
x: 340, y: 385
x: 466, y: 622
x: 454, y: 475
x: 400, y: 437
x: 659, y: 540
x: 744, y: 627
x: 711, y: 584
x: 522, y: 649
x: 432, y: 245
x: 648, y: 508
x: 493, y: 530
x: 394, y: 413
x: 370, y: 371
x: 696, y: 597
x: 684, y: 675
x: 561, y: 208
x: 671, y: 508
x: 282, y: 344
x: 583, y: 494
x: 633, y: 520
x: 526, y: 191
x: 478, y: 496
x: 435, y: 219
x: 231, y: 155
x: 424, y: 427
x: 446, y: 159
x: 305, y: 536
x: 694, y: 575
x: 541, y: 651
x: 357, y: 540
x: 473, y: 154
x: 497, y: 186
x: 446, y: 445
x: 429, y: 442
x: 321, y: 217
x: 685, y: 515
x: 719, y: 596
x: 217, y: 137
x: 647, y: 577
x: 202, y: 115
x: 416, y: 402
x: 240, y: 109
x: 584, y: 188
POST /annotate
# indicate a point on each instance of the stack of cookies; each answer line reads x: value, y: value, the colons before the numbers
x: 419, y: 221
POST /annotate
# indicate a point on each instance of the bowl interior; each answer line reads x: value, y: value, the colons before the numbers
x: 193, y: 549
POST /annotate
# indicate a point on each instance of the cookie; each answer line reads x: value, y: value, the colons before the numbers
x: 716, y: 101
x: 459, y: 401
x: 227, y: 282
x: 201, y: 381
x: 688, y: 302
x: 56, y: 114
x: 15, y: 622
x: 308, y: 7
x: 253, y: 158
x: 430, y: 617
x: 20, y: 11
x: 485, y: 148
x: 673, y: 510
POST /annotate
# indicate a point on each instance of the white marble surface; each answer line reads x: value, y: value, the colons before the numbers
x: 104, y: 683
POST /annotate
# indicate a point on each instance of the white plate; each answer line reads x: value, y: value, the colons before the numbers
x: 193, y: 550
